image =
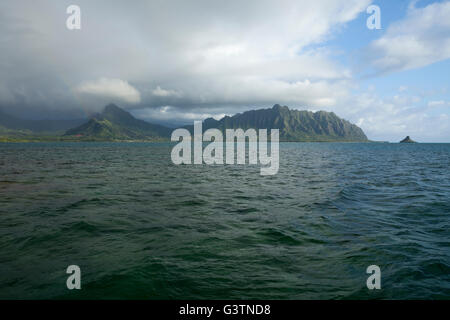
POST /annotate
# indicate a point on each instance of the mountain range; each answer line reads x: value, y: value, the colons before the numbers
x: 116, y: 124
x: 294, y: 125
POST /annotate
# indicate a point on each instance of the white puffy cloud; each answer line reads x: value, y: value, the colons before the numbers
x: 171, y: 116
x: 109, y: 89
x: 392, y: 118
x: 437, y: 103
x: 421, y: 38
x: 160, y: 92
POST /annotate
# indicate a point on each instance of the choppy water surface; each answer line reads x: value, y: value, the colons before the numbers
x: 141, y: 227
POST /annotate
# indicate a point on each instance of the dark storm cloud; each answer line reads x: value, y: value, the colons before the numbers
x: 185, y: 54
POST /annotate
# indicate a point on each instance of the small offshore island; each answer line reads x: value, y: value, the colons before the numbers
x: 408, y: 140
x: 117, y: 125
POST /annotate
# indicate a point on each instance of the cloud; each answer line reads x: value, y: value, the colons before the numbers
x: 159, y: 92
x: 172, y: 116
x: 392, y: 118
x: 109, y: 89
x: 438, y: 103
x: 184, y: 54
x: 420, y: 39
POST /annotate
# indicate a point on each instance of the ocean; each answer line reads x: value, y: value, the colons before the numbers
x: 140, y: 227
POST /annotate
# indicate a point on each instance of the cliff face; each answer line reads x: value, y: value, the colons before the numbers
x: 294, y: 125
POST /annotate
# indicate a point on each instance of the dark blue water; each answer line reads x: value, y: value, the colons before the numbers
x: 140, y: 227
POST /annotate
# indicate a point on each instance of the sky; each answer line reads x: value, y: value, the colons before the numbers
x: 173, y: 62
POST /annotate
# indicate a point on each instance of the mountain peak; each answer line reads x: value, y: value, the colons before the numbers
x: 113, y: 113
x: 112, y: 108
x: 115, y: 123
x: 278, y: 107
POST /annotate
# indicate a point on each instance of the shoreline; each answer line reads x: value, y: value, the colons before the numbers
x: 165, y: 141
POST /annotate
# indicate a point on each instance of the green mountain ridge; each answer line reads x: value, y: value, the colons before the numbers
x: 115, y: 123
x: 294, y: 125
